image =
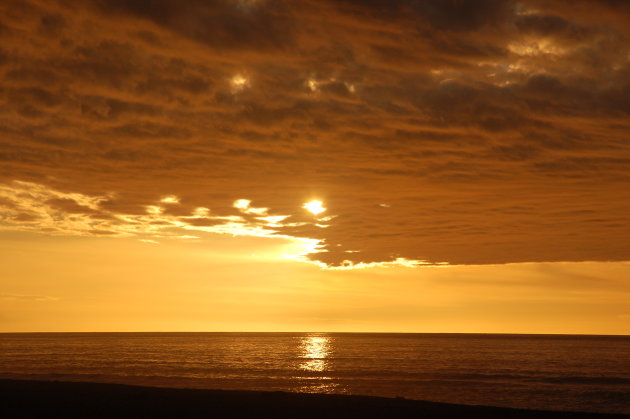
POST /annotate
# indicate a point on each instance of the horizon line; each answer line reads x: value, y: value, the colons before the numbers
x: 319, y: 332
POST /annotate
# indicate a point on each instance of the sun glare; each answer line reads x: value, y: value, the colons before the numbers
x: 238, y: 83
x: 315, y: 207
x: 242, y: 204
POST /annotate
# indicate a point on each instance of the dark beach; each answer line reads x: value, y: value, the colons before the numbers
x: 34, y: 399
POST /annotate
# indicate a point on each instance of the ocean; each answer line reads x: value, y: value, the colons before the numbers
x: 552, y: 372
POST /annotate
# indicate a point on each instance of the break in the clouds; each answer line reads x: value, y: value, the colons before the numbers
x: 465, y: 132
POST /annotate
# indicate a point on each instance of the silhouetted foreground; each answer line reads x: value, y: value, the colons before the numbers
x: 21, y: 399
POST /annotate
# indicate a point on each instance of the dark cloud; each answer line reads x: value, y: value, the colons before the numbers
x: 221, y: 24
x: 448, y: 131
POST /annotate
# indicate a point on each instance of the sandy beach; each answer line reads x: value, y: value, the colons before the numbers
x: 34, y: 399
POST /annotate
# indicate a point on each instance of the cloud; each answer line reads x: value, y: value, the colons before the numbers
x: 495, y: 131
x: 28, y: 206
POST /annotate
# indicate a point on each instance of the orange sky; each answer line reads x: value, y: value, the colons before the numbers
x: 471, y: 158
x: 243, y: 284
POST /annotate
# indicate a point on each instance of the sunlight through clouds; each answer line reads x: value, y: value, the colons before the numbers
x: 170, y: 199
x: 315, y: 207
x: 26, y: 206
x: 244, y: 205
x: 238, y: 83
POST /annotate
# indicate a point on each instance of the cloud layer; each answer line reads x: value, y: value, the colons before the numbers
x: 466, y: 132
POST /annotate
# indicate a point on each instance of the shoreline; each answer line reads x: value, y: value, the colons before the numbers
x: 30, y: 398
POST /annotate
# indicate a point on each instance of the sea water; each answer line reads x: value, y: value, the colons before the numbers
x: 558, y: 372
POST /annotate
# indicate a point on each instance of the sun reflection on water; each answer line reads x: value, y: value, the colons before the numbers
x: 315, y: 351
x: 315, y: 362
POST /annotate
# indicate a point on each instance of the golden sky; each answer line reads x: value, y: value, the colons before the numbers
x: 420, y: 166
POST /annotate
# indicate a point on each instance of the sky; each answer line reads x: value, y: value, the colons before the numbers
x: 329, y: 165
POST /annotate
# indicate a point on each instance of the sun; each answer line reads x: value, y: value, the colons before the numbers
x: 315, y: 207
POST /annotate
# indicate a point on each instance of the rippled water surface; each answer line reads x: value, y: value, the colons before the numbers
x: 587, y: 373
